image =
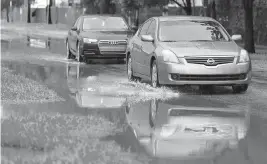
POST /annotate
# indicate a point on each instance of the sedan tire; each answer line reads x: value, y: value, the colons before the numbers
x: 153, y: 112
x: 78, y: 53
x: 240, y: 88
x: 154, y: 75
x: 69, y: 54
x: 131, y: 77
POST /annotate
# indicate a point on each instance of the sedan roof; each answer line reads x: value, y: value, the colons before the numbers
x: 177, y: 18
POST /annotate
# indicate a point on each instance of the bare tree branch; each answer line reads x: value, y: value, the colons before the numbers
x: 179, y: 4
x: 185, y: 5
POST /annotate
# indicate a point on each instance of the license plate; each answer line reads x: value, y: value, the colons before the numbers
x: 210, y: 129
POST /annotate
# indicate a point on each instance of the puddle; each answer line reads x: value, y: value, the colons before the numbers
x: 33, y: 44
x: 159, y: 123
x: 154, y: 130
x: 38, y: 43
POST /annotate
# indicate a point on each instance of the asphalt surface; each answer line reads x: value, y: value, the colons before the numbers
x: 103, y: 88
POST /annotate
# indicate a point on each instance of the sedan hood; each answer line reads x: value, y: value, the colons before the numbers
x: 107, y: 35
x: 182, y: 49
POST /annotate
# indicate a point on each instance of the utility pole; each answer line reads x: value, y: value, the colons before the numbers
x: 29, y: 11
x: 194, y: 6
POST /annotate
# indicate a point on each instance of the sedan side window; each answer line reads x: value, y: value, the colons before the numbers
x: 79, y: 24
x: 144, y: 28
x: 76, y: 23
x: 152, y: 29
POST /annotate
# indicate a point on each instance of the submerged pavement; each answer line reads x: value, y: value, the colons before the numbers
x: 164, y: 125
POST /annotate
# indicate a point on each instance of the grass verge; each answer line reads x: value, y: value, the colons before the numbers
x: 18, y: 89
x: 48, y: 138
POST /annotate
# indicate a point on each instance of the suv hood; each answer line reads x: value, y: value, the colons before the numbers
x: 182, y: 49
x: 107, y: 35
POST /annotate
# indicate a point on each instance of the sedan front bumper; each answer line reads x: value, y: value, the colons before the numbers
x: 197, y: 74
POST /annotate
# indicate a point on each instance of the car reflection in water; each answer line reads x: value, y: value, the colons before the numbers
x: 86, y: 92
x: 187, y: 128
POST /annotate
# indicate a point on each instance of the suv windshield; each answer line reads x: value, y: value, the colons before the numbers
x: 189, y: 30
x: 104, y: 23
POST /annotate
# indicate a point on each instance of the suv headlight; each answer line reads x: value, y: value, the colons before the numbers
x: 244, y: 57
x: 169, y: 56
x: 87, y: 40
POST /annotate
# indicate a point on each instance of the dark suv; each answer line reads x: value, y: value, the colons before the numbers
x: 98, y: 37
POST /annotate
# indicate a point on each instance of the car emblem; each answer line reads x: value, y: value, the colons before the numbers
x: 210, y: 61
x: 113, y: 42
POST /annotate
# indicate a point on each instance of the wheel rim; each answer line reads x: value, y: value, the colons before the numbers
x: 129, y: 68
x: 154, y: 76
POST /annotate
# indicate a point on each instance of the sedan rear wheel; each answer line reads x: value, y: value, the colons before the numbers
x: 240, y: 88
x: 131, y: 77
x: 154, y: 75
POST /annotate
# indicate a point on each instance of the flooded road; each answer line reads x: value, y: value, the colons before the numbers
x: 163, y: 125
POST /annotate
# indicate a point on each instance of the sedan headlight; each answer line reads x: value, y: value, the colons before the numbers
x: 244, y: 57
x: 169, y: 56
x: 167, y: 131
x: 87, y: 40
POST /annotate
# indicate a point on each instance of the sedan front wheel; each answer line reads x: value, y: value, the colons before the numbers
x: 69, y: 55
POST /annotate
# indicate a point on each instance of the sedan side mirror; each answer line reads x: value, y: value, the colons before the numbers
x: 147, y: 38
x: 236, y: 37
x: 74, y: 28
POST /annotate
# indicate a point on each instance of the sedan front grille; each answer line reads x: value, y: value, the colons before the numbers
x: 210, y: 61
x: 182, y: 77
x: 109, y: 46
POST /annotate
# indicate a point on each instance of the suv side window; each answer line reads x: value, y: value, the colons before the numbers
x: 152, y: 28
x: 144, y: 28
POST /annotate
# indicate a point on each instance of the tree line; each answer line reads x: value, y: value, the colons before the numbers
x: 105, y: 7
x: 187, y: 6
x: 109, y: 7
x: 9, y: 4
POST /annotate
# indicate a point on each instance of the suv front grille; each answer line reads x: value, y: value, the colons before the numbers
x: 116, y: 46
x: 204, y: 60
x: 208, y: 77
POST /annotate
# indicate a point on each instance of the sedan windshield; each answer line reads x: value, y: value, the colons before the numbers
x: 104, y: 23
x: 176, y: 31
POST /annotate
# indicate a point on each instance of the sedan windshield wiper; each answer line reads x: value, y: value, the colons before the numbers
x: 201, y: 40
x: 169, y: 41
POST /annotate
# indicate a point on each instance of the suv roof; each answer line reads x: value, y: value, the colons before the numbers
x: 105, y: 15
